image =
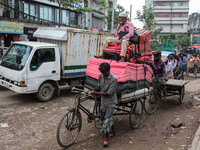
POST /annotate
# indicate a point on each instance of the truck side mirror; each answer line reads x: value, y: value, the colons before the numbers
x: 18, y: 59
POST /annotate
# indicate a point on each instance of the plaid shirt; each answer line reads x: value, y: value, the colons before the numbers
x: 109, y: 85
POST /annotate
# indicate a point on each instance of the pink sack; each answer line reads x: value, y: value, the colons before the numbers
x: 124, y: 71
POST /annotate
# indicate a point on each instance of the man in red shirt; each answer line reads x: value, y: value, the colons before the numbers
x: 124, y: 26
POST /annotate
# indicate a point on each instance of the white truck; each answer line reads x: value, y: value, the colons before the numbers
x: 58, y: 58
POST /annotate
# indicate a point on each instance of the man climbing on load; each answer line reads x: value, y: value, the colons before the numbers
x: 125, y: 30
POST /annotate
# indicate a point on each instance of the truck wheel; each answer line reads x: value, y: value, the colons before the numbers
x: 45, y: 92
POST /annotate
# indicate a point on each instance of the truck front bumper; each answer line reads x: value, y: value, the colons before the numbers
x: 13, y: 87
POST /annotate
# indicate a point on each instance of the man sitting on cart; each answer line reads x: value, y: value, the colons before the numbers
x: 124, y: 32
x: 108, y: 84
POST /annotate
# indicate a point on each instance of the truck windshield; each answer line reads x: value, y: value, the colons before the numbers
x: 16, y: 56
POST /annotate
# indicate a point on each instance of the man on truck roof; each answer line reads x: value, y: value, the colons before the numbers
x: 125, y: 30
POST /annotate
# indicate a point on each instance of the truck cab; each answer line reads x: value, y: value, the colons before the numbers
x: 31, y: 67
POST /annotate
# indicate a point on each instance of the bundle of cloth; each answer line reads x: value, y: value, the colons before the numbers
x: 144, y: 57
x: 112, y: 52
x: 131, y: 77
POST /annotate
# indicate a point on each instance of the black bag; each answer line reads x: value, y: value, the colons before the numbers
x: 133, y: 39
x: 111, y: 55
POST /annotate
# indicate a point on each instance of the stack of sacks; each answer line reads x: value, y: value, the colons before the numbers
x: 145, y: 56
x: 131, y: 77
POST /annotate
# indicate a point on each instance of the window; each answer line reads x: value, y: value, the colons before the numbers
x: 29, y: 9
x: 177, y: 26
x: 57, y: 15
x: 162, y: 3
x: 26, y: 10
x: 185, y: 3
x: 184, y: 15
x: 180, y: 4
x: 73, y: 18
x: 42, y: 56
x: 163, y: 15
x: 65, y: 17
x: 97, y: 23
x: 32, y: 11
x: 180, y: 15
x: 85, y: 3
x: 46, y: 13
x: 10, y: 58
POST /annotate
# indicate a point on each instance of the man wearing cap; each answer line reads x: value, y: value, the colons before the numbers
x: 124, y: 26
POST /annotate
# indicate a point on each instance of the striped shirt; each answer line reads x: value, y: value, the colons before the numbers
x: 108, y: 85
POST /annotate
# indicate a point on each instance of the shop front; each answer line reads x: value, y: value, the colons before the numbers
x: 10, y: 32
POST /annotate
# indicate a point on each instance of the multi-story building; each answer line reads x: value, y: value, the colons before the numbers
x: 148, y: 3
x: 25, y: 16
x: 172, y: 15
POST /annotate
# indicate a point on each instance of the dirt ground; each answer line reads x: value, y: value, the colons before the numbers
x: 26, y: 124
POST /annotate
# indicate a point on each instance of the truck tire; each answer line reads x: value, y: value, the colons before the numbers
x: 45, y: 92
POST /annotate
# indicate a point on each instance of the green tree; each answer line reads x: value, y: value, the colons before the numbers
x: 182, y: 40
x: 147, y: 18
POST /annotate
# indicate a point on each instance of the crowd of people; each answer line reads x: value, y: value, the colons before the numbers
x: 172, y: 65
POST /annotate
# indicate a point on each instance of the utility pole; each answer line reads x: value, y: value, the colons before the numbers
x: 131, y: 13
x: 112, y: 23
x: 59, y: 1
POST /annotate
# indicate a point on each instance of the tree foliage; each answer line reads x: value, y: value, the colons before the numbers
x: 181, y: 40
x: 116, y: 14
x: 147, y: 18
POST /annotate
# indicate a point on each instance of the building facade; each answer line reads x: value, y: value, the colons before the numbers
x: 194, y: 28
x: 28, y: 15
x: 172, y: 15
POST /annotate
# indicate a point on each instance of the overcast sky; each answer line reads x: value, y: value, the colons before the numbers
x: 137, y: 5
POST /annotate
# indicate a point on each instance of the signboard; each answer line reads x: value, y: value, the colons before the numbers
x: 11, y: 27
x: 77, y: 5
x: 95, y: 30
x: 29, y: 32
x: 23, y: 37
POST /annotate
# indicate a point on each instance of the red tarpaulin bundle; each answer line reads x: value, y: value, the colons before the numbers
x: 124, y: 71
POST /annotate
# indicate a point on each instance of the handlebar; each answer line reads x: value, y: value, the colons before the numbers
x: 80, y: 91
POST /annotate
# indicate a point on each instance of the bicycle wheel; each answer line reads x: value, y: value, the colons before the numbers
x: 69, y: 128
x: 151, y: 105
x: 136, y: 114
x: 181, y: 93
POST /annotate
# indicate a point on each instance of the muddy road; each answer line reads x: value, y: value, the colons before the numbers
x: 26, y: 124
